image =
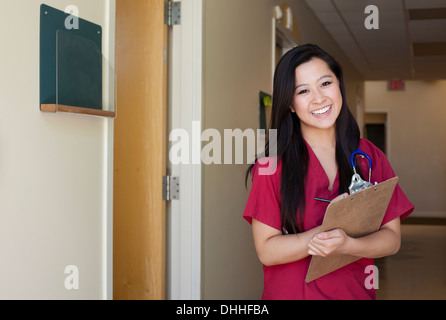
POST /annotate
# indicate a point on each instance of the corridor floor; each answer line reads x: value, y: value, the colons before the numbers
x: 418, y: 270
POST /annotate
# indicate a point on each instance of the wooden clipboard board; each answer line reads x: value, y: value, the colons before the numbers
x: 358, y: 215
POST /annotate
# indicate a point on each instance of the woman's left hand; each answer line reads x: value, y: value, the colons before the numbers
x: 327, y: 243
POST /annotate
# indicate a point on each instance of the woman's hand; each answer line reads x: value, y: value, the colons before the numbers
x: 327, y: 243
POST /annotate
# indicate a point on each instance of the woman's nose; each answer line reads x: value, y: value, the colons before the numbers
x: 318, y: 96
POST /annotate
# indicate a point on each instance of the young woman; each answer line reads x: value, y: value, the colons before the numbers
x: 316, y: 135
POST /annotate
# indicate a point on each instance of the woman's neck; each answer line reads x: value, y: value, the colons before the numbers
x: 319, y: 138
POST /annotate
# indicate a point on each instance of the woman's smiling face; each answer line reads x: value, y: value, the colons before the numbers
x: 317, y: 99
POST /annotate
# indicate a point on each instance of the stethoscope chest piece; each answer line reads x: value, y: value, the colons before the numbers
x: 357, y: 183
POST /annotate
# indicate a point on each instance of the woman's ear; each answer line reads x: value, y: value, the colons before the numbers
x: 292, y: 109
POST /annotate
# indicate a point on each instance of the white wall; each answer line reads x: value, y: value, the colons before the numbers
x: 417, y: 118
x: 55, y: 170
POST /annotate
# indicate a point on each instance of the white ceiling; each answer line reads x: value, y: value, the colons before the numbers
x: 385, y: 53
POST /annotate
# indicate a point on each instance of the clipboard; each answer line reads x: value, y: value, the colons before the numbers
x: 358, y: 215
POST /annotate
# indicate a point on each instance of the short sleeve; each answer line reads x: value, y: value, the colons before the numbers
x: 264, y: 198
x: 399, y: 205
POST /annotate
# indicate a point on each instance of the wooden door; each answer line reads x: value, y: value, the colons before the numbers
x: 139, y: 227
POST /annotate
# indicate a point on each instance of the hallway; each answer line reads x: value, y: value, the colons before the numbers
x: 418, y: 271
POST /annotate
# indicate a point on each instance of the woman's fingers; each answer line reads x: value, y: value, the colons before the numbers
x: 314, y: 251
x: 326, y: 243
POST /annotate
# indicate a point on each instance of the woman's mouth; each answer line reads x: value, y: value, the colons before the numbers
x: 322, y: 111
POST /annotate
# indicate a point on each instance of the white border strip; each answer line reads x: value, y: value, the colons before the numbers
x: 107, y: 221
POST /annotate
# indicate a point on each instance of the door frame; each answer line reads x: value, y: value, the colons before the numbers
x: 185, y: 58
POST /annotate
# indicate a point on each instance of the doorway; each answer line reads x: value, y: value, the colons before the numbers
x: 375, y: 129
x: 156, y: 245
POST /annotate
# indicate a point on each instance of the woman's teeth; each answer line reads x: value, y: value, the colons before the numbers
x: 321, y: 111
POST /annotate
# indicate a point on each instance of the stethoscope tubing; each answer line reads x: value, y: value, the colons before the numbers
x: 359, y: 152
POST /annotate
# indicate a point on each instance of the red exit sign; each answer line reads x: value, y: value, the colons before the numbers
x: 396, y: 85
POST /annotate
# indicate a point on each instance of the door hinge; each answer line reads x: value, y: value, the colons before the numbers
x: 171, y: 188
x: 172, y: 13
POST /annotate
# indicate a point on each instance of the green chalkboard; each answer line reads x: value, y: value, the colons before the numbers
x: 70, y: 61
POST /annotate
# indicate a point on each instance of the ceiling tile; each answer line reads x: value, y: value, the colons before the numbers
x: 427, y: 14
x: 386, y: 52
x: 329, y: 17
x: 360, y: 5
x: 430, y: 62
x: 337, y: 29
x: 425, y: 49
x: 425, y: 4
x: 427, y: 30
x: 430, y: 74
x: 344, y: 39
x: 321, y: 5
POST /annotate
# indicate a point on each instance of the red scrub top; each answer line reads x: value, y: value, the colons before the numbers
x: 287, y: 281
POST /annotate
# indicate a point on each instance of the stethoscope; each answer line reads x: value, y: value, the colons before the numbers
x: 357, y: 183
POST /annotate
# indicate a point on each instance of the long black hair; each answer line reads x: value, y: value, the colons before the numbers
x: 291, y: 147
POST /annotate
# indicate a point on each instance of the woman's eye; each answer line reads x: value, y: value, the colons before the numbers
x: 302, y: 91
x: 326, y: 83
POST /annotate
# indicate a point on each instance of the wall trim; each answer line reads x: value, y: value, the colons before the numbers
x: 185, y: 107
